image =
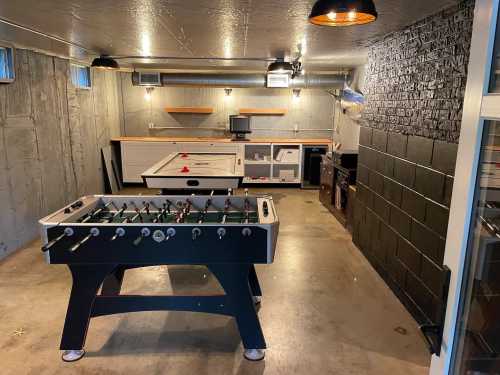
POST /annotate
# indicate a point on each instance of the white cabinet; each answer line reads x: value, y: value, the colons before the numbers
x: 139, y: 156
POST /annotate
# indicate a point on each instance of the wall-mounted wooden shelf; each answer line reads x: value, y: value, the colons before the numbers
x: 201, y: 110
x: 263, y: 111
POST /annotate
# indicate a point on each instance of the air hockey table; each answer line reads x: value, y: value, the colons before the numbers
x: 196, y: 171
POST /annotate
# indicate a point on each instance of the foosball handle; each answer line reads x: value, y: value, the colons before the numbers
x: 68, y: 232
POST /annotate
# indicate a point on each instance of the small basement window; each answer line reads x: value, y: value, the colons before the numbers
x: 6, y: 64
x: 80, y: 76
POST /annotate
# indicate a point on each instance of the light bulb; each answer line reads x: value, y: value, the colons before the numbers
x: 351, y: 15
x: 332, y: 15
x: 148, y: 94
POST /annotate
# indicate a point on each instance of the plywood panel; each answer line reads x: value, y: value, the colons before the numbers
x: 19, y: 91
x: 61, y: 74
x: 48, y: 131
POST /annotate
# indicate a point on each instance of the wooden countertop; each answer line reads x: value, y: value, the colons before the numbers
x: 305, y: 141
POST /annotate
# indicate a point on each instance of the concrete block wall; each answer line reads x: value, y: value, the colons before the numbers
x: 414, y: 84
x: 314, y: 110
x: 50, y: 139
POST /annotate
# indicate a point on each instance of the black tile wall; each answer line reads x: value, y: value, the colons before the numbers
x: 448, y: 187
x: 404, y: 172
x: 379, y: 140
x: 444, y: 157
x: 410, y: 87
x: 396, y: 144
x: 392, y: 191
x: 436, y: 218
x: 430, y: 183
x: 384, y: 164
x: 365, y: 136
x: 381, y: 207
x: 401, y: 226
x: 409, y: 255
x: 376, y: 182
x: 419, y: 150
x: 411, y: 121
x: 414, y: 204
x: 400, y: 221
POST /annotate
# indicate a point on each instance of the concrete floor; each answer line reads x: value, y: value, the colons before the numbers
x: 324, y: 311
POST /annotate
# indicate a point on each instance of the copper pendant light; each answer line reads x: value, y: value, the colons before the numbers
x: 343, y: 12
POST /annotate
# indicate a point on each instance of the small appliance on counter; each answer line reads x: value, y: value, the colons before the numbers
x: 239, y: 127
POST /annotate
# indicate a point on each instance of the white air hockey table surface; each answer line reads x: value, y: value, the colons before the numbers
x: 196, y: 170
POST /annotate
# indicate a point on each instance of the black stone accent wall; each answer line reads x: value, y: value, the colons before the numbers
x: 415, y: 78
x: 401, y: 214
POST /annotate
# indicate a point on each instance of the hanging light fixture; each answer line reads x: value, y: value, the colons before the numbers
x: 343, y: 12
x: 280, y: 66
x: 105, y: 62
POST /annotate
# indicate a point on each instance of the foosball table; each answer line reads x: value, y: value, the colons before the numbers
x: 99, y: 237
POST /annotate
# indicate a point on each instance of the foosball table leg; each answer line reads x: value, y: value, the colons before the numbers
x: 86, y: 283
x: 113, y: 282
x: 234, y: 279
x: 253, y: 281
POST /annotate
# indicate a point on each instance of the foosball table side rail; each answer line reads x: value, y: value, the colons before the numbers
x: 240, y: 244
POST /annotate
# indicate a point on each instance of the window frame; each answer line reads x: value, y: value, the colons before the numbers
x: 10, y: 61
x: 80, y: 66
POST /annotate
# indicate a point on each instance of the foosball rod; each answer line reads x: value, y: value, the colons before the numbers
x: 96, y: 212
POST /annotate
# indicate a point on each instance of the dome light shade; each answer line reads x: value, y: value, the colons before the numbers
x: 343, y: 12
x: 280, y: 66
x: 105, y: 62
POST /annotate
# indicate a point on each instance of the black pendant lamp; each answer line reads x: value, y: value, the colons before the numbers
x: 342, y: 12
x: 105, y: 62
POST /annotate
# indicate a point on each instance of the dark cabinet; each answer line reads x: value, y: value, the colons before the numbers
x: 337, y: 175
x: 326, y: 182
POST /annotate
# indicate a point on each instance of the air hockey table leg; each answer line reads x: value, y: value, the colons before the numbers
x: 234, y: 279
x: 86, y: 282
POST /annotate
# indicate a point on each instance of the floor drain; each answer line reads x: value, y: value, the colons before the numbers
x: 401, y: 330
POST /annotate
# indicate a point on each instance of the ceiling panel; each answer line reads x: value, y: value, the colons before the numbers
x: 204, y: 28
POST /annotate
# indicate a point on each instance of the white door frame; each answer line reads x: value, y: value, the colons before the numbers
x: 477, y: 106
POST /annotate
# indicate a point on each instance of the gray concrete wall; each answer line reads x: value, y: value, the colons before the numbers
x: 314, y: 110
x: 50, y: 139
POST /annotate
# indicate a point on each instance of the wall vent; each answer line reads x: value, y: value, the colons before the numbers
x: 277, y: 80
x: 149, y: 79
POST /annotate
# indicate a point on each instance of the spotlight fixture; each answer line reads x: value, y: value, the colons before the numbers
x: 280, y: 66
x: 105, y: 62
x: 343, y: 12
x: 149, y: 93
x: 296, y: 94
x: 227, y: 92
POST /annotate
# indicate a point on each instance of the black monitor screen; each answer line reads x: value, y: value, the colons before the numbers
x: 239, y: 124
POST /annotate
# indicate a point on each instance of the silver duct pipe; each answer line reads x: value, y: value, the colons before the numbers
x: 332, y: 81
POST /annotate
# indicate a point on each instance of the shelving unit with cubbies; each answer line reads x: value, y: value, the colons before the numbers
x: 272, y: 163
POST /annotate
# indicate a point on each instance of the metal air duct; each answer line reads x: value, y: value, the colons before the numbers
x: 306, y: 81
